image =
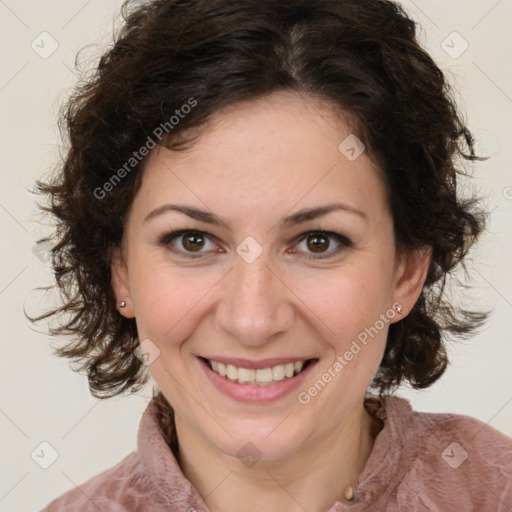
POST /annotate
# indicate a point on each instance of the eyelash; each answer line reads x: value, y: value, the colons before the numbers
x: 342, y: 240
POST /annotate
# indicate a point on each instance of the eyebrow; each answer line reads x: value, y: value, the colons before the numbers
x: 299, y: 217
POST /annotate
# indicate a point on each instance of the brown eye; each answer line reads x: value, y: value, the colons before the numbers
x: 318, y: 243
x: 193, y: 242
x: 187, y: 242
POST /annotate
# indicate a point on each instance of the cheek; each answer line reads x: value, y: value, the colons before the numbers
x: 347, y: 301
x: 170, y: 300
x: 166, y: 298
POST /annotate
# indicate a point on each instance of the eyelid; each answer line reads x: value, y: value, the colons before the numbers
x: 166, y: 240
x: 342, y: 240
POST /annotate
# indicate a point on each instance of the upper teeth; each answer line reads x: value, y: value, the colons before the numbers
x: 262, y: 376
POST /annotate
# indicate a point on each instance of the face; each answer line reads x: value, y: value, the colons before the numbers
x: 251, y: 283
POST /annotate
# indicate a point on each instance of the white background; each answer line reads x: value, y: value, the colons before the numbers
x: 41, y: 399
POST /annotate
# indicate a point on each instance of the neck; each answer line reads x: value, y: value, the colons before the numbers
x: 312, y: 478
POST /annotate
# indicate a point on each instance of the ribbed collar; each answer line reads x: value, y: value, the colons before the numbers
x: 177, y: 492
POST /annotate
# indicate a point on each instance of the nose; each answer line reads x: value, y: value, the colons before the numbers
x: 256, y: 303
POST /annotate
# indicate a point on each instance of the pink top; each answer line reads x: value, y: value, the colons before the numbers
x: 420, y: 462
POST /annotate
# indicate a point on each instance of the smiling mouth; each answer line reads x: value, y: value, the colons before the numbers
x: 261, y: 376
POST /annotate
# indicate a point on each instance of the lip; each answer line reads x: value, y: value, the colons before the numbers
x: 256, y: 394
x: 250, y: 364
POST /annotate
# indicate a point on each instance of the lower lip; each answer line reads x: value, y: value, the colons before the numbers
x: 248, y: 393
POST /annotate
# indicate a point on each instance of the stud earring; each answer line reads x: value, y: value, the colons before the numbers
x: 399, y: 308
x: 122, y: 304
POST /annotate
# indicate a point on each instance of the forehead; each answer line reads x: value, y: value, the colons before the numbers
x: 265, y: 155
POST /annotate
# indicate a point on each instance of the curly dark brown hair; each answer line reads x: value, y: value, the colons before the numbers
x: 359, y: 55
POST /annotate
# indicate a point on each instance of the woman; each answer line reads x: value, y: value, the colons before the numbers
x: 259, y: 209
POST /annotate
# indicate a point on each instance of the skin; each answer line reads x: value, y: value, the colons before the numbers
x: 253, y: 164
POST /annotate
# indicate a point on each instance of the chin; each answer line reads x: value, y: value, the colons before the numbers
x: 264, y: 442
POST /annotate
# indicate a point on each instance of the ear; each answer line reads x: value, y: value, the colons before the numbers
x: 410, y: 277
x: 120, y: 283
